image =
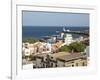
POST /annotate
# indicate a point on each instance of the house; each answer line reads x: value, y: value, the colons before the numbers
x: 45, y: 60
x: 40, y: 61
x: 61, y: 59
x: 68, y: 39
x: 26, y: 52
x: 27, y: 49
x: 54, y: 58
x: 72, y: 60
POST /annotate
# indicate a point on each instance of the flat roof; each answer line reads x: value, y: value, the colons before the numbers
x: 56, y: 55
x: 72, y: 57
x: 41, y: 55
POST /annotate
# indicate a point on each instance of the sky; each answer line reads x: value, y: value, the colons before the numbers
x: 36, y: 18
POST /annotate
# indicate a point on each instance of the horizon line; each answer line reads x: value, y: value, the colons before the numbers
x: 51, y: 26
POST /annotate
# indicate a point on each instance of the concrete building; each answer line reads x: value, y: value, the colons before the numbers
x: 41, y: 61
x: 54, y: 58
x: 35, y: 48
x: 72, y: 60
x: 87, y: 51
x: 68, y: 38
x: 25, y: 49
x: 61, y: 59
x: 62, y: 35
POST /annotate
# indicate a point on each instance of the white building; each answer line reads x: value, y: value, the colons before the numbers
x: 87, y: 51
x: 47, y: 47
x: 26, y: 51
x: 68, y: 39
x: 62, y: 35
x: 66, y: 36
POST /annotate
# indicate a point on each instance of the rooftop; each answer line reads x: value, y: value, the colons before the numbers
x: 71, y: 57
x: 41, y: 55
x: 56, y: 55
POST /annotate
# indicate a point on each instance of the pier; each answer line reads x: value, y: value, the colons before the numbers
x: 76, y: 32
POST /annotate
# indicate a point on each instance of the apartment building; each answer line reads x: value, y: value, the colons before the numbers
x: 61, y: 59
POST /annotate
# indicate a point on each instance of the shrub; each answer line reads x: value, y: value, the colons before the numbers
x: 77, y: 47
x: 64, y: 48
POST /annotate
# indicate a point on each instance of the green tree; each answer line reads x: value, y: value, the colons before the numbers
x: 77, y: 47
x: 64, y: 48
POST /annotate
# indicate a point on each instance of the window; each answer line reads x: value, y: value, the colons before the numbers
x: 51, y: 64
x: 83, y: 64
x: 34, y: 58
x: 46, y: 59
x: 63, y: 65
x: 42, y: 60
x: 51, y: 57
x: 43, y: 65
x: 46, y: 66
x: 56, y: 65
x: 34, y: 66
x: 76, y: 64
x: 73, y: 65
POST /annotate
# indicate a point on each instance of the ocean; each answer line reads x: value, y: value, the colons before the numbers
x: 40, y: 31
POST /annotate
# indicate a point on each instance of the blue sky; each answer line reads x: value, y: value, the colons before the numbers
x: 54, y: 19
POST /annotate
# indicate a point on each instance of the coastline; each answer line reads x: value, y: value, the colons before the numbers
x: 40, y: 31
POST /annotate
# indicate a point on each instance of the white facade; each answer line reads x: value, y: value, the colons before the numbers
x: 62, y: 35
x: 26, y: 52
x: 46, y: 46
x: 68, y: 39
x: 27, y: 49
x: 87, y: 51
